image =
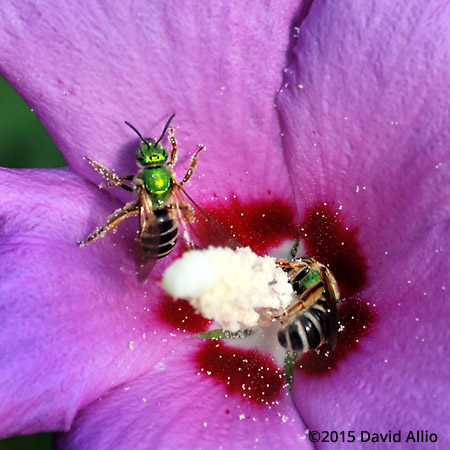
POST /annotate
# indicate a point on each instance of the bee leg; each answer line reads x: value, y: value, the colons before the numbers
x: 130, y: 209
x: 118, y: 182
x: 284, y: 264
x: 174, y: 152
x: 193, y: 165
x: 112, y: 178
x: 333, y: 299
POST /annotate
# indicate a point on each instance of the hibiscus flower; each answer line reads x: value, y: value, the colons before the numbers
x: 328, y: 118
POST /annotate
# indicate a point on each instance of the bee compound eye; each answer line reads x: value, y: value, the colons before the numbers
x: 300, y: 275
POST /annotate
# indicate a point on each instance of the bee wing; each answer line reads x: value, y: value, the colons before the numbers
x: 146, y: 256
x: 332, y: 298
x: 203, y: 229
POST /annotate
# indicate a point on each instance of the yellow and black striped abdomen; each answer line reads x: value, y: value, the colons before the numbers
x: 159, y: 240
x: 307, y: 330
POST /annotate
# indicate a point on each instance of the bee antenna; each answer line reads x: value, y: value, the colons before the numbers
x: 165, y: 129
x: 137, y: 132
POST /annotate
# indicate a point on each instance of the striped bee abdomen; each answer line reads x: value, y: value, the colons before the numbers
x: 160, y: 240
x: 308, y: 330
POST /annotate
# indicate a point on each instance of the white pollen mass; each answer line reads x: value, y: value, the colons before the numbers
x: 236, y: 288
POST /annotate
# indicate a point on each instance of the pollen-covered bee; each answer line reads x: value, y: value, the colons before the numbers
x: 159, y: 203
x: 312, y: 320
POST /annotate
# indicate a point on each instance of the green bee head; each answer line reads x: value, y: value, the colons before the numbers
x: 150, y: 151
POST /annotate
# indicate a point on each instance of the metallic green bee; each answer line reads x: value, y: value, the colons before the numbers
x: 159, y: 204
x: 312, y: 319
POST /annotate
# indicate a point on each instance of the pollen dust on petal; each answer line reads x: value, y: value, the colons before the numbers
x: 328, y: 239
x: 355, y: 322
x: 242, y: 372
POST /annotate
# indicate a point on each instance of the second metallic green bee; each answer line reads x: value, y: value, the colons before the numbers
x: 312, y: 320
x: 159, y: 203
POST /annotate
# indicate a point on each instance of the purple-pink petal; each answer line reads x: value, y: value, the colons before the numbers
x: 75, y: 321
x: 365, y: 123
x: 365, y: 117
x: 84, y: 69
x: 88, y: 325
x: 369, y: 164
x: 177, y: 405
x: 395, y: 377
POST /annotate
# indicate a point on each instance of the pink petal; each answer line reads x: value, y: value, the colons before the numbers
x: 177, y: 405
x: 87, y: 68
x: 366, y: 118
x: 81, y: 77
x: 395, y: 376
x: 366, y: 124
x: 75, y: 321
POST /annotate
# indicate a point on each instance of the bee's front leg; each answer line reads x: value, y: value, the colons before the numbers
x: 193, y: 165
x: 112, y: 178
x: 174, y: 152
x: 130, y: 209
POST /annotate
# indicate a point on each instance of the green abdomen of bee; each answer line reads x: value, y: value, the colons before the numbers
x: 158, y: 183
